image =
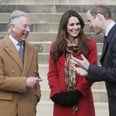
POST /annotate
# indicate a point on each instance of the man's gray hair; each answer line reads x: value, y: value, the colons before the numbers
x: 15, y: 15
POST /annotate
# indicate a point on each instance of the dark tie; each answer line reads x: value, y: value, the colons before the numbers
x: 21, y: 51
x: 105, y: 46
x: 105, y: 39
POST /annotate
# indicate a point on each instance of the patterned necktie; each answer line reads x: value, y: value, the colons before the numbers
x: 21, y: 51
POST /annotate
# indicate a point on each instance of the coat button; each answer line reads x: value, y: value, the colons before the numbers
x: 12, y: 71
x: 32, y: 99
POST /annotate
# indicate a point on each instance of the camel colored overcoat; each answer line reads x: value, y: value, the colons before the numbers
x: 15, y: 98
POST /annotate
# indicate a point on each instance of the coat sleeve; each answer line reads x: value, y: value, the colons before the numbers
x: 82, y: 84
x: 107, y: 72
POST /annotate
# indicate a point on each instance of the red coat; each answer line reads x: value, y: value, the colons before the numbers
x: 57, y: 84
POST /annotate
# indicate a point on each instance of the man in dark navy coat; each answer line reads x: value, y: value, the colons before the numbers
x: 100, y: 19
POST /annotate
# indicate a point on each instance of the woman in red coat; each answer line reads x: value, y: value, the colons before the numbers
x: 70, y: 93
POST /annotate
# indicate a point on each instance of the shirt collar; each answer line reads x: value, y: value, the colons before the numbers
x: 15, y: 42
x: 109, y: 28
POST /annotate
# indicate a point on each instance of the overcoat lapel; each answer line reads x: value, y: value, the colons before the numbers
x: 109, y: 39
x: 27, y: 58
x: 11, y: 50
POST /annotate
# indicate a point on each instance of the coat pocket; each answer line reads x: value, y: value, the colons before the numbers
x: 5, y: 95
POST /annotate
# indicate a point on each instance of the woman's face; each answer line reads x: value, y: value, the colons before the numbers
x: 73, y: 27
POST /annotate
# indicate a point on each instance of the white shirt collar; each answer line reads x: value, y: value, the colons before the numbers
x: 14, y: 41
x: 109, y: 28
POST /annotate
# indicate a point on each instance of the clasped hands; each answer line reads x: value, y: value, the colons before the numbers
x: 70, y: 98
x: 32, y: 81
x: 83, y: 65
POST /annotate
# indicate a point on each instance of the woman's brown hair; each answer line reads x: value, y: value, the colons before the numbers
x: 60, y: 43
